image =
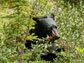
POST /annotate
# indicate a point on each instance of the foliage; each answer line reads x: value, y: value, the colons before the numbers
x: 16, y: 21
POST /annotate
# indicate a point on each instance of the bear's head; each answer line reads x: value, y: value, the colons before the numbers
x: 46, y: 25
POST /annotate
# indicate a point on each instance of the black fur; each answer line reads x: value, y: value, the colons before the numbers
x: 44, y: 27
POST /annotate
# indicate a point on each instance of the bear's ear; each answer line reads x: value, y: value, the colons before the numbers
x: 52, y: 16
x: 36, y: 19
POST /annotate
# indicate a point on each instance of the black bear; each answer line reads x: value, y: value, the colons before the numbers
x: 45, y: 26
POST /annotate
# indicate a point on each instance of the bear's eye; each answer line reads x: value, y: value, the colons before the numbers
x: 55, y: 27
x: 51, y: 28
